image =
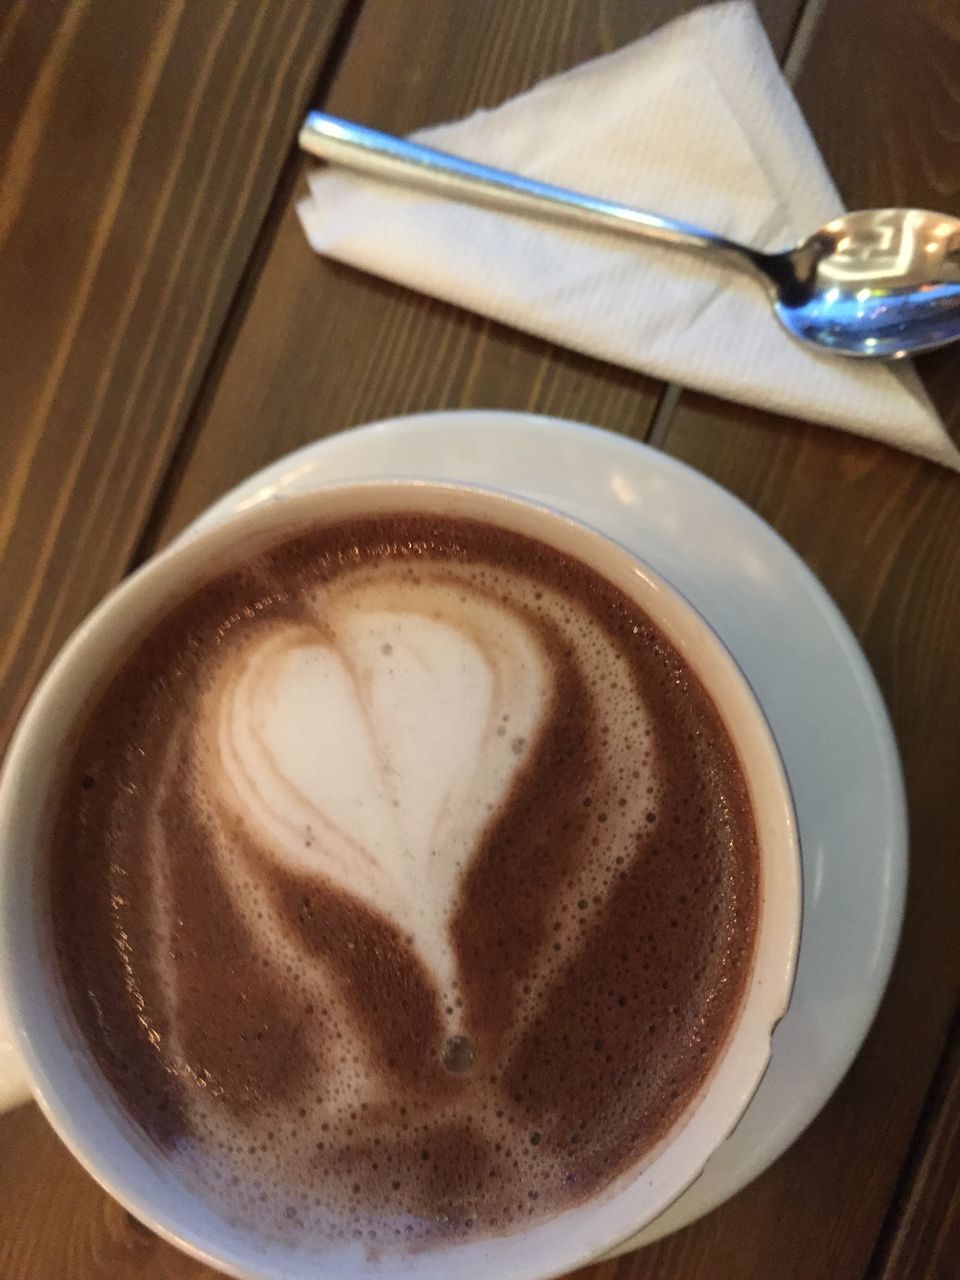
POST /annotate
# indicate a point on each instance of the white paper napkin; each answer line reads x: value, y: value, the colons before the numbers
x: 694, y: 121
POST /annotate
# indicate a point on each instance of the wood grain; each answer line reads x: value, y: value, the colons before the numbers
x: 56, y: 1223
x: 925, y: 1238
x: 323, y: 347
x: 880, y: 529
x: 138, y: 157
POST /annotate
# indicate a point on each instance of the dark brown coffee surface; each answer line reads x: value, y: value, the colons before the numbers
x: 331, y: 1047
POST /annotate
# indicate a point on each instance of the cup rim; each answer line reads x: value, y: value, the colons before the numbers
x: 187, y: 564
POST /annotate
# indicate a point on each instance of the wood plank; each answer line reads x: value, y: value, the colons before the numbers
x: 323, y: 347
x: 925, y: 1240
x: 137, y: 161
x: 880, y: 529
x: 56, y: 1223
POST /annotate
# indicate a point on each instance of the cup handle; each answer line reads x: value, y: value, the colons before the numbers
x: 14, y: 1085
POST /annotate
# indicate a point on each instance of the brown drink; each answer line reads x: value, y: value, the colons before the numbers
x: 404, y: 883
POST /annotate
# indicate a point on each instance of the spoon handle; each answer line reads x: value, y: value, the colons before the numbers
x: 380, y: 155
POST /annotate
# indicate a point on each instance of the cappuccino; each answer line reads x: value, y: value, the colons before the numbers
x: 404, y: 883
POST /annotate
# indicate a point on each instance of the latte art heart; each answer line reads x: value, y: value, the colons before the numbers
x: 404, y: 884
x: 371, y: 748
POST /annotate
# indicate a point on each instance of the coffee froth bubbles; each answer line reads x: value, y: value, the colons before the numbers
x: 404, y: 883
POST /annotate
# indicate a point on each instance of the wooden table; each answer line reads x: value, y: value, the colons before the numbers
x: 165, y: 331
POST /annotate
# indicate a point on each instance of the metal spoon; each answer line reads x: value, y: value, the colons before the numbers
x: 879, y: 282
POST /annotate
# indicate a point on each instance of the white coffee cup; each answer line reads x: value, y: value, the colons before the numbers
x: 61, y: 1070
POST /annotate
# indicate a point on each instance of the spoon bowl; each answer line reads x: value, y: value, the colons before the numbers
x: 878, y: 282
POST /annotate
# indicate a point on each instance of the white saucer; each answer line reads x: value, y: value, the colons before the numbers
x: 801, y: 659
